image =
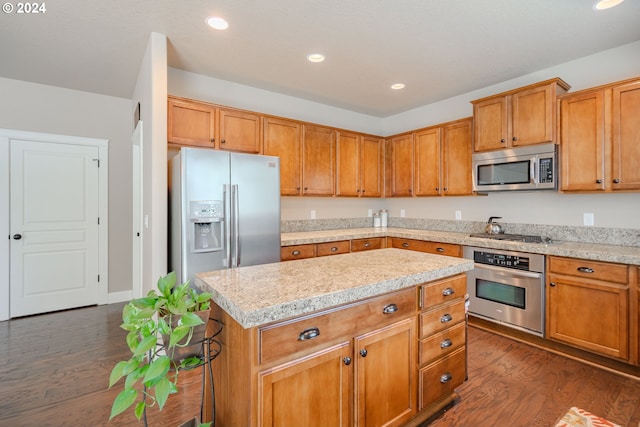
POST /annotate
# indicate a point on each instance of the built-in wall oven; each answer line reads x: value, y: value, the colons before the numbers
x: 507, y: 287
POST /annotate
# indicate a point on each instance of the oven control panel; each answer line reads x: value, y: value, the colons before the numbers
x: 500, y: 260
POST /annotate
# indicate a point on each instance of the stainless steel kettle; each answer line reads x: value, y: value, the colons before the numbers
x: 493, y: 227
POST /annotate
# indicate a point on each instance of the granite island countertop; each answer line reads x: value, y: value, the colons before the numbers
x: 266, y: 293
x: 592, y: 251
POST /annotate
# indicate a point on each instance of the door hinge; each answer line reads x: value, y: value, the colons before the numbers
x: 97, y: 161
x: 98, y: 220
x: 98, y: 278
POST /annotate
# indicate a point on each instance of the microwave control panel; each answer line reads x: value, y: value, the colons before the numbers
x: 545, y: 170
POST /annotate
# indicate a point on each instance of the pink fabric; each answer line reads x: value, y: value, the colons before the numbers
x: 579, y: 417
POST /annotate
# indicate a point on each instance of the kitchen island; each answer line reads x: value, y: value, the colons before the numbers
x: 341, y: 340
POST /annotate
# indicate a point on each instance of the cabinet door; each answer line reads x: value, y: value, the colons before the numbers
x: 318, y: 161
x: 191, y: 123
x: 282, y: 139
x: 428, y: 158
x: 401, y: 166
x: 371, y: 155
x: 240, y: 131
x: 582, y: 145
x: 386, y: 375
x: 491, y: 124
x: 532, y: 112
x: 626, y: 137
x: 311, y: 391
x: 456, y: 165
x: 589, y: 314
x: 348, y: 164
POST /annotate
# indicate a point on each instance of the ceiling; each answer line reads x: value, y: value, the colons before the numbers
x: 439, y: 49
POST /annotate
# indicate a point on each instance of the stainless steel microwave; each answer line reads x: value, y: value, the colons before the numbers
x: 533, y: 167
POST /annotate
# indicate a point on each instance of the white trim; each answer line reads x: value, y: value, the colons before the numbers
x: 103, y: 148
x: 122, y: 296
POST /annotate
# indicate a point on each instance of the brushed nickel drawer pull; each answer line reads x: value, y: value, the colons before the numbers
x: 367, y: 244
x: 440, y: 249
x: 585, y: 270
x: 309, y: 334
x: 448, y: 291
x: 295, y: 253
x: 445, y: 378
x: 446, y: 318
x: 334, y: 248
x: 405, y: 245
x: 446, y: 343
x: 389, y: 308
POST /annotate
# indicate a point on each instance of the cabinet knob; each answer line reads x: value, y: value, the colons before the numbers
x: 445, y: 378
x: 515, y: 138
x: 448, y: 291
x: 405, y: 245
x: 389, y: 308
x: 440, y: 250
x: 309, y: 334
x: 363, y: 352
x: 598, y: 181
x: 446, y: 343
x: 367, y: 244
x: 213, y: 140
x: 502, y: 141
x: 585, y: 270
x: 437, y: 188
x: 222, y: 141
x: 347, y: 361
x: 334, y: 248
x: 295, y: 253
x: 616, y: 181
x: 446, y: 318
x: 444, y: 189
x: 552, y: 284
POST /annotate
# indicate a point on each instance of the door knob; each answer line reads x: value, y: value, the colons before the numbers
x: 17, y: 236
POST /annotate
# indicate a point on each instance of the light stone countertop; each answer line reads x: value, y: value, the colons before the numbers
x: 591, y: 251
x: 262, y: 294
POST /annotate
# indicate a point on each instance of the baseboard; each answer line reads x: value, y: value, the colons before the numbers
x: 122, y: 296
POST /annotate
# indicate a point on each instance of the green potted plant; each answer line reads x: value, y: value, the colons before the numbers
x: 160, y: 326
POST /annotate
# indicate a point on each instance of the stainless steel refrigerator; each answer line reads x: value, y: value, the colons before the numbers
x: 225, y: 211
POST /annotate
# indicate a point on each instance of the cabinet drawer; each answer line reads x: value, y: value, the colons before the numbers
x: 589, y: 269
x: 441, y: 318
x: 430, y: 247
x: 442, y: 291
x: 312, y: 332
x: 358, y: 245
x: 441, y: 344
x: 442, y: 377
x: 332, y: 248
x: 288, y: 253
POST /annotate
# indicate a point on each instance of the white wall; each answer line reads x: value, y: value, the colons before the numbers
x: 39, y: 108
x: 151, y: 92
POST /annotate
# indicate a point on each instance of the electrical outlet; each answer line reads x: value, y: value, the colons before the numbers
x: 312, y: 214
x: 402, y: 213
x: 370, y: 213
x: 588, y: 219
x: 458, y: 215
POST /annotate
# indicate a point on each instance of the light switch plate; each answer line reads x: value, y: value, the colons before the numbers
x: 458, y: 215
x: 402, y: 213
x: 588, y: 219
x: 313, y: 214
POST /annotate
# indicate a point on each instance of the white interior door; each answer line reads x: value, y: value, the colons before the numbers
x: 54, y: 226
x: 136, y: 139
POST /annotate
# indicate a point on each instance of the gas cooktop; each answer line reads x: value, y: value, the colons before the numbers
x: 513, y: 237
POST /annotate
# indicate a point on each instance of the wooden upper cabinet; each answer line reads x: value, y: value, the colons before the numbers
x: 400, y: 166
x: 456, y: 158
x: 318, y: 160
x: 600, y: 148
x: 523, y: 116
x: 582, y: 124
x: 240, y: 131
x: 428, y: 158
x: 359, y: 165
x: 282, y: 138
x: 191, y: 123
x: 626, y: 136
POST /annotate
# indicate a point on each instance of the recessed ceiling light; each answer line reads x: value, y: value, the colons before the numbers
x: 397, y: 86
x: 315, y: 57
x: 217, y: 23
x: 606, y: 4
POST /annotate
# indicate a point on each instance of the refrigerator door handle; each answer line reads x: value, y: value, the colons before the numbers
x: 226, y: 194
x: 236, y: 225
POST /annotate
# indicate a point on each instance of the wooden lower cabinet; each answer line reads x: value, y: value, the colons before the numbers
x: 588, y: 305
x: 358, y: 245
x: 437, y: 248
x: 312, y: 391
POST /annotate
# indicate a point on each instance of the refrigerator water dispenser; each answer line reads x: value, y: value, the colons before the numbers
x: 207, y: 218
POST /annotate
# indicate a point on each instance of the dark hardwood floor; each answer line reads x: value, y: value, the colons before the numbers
x: 54, y: 371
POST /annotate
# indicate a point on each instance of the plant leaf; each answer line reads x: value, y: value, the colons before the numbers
x: 177, y: 334
x: 140, y: 407
x: 146, y: 344
x: 190, y: 319
x: 167, y: 282
x: 117, y: 372
x: 157, y: 368
x: 163, y: 389
x: 123, y: 400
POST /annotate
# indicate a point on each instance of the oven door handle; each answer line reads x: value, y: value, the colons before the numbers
x: 509, y: 271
